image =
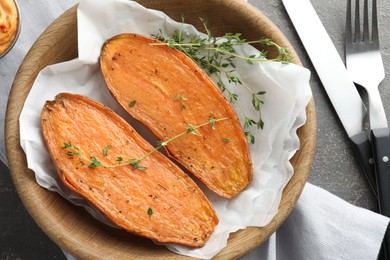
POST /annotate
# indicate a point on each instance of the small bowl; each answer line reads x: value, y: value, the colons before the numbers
x: 19, y: 26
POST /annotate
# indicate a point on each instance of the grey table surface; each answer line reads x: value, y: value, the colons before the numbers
x: 334, y: 167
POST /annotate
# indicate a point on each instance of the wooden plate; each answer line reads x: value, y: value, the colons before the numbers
x: 72, y: 228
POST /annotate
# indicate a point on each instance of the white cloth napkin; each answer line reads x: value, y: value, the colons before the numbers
x: 321, y: 226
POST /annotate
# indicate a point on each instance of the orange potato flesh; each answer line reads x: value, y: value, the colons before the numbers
x: 165, y: 90
x: 161, y: 202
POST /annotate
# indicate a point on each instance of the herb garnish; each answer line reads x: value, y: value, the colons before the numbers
x: 94, y: 163
x: 225, y: 139
x: 105, y: 150
x: 181, y: 99
x: 150, y: 211
x: 216, y: 56
x: 72, y: 150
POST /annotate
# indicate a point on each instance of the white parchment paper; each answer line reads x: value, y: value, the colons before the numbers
x: 287, y: 94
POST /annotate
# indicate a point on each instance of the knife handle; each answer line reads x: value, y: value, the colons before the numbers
x: 363, y: 150
x: 381, y: 151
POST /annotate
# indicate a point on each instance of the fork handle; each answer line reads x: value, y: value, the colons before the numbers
x: 381, y: 150
x: 362, y: 147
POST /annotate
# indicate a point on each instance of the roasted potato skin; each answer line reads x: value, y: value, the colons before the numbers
x: 166, y: 91
x: 160, y: 202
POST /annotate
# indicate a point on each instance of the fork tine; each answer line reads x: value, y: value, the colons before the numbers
x: 363, y: 57
x: 366, y: 31
x: 357, y: 21
x: 348, y: 26
x: 375, y: 36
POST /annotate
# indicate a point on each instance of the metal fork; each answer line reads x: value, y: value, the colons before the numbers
x: 364, y: 63
x: 363, y: 59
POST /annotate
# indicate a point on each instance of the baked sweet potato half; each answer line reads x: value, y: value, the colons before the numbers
x: 95, y: 152
x: 166, y: 91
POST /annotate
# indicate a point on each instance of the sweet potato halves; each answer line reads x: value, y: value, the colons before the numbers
x: 166, y: 91
x: 100, y: 157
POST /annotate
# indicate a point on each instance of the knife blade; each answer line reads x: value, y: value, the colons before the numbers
x: 338, y: 85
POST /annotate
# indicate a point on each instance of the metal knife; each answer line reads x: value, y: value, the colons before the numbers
x: 334, y: 77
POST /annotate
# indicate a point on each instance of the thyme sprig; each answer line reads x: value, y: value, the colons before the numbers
x: 73, y: 150
x: 181, y: 98
x: 216, y: 56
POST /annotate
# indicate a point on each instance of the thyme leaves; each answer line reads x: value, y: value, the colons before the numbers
x: 150, y: 211
x: 226, y: 140
x: 181, y: 98
x: 217, y: 55
x: 94, y: 163
x: 72, y: 150
x: 105, y: 150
